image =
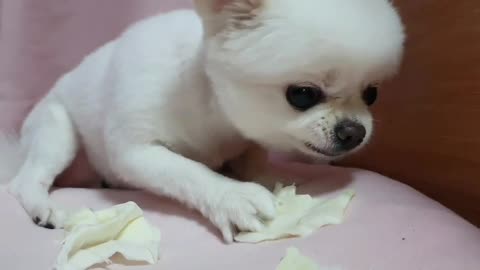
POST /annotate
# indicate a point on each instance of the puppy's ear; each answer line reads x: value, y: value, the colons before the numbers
x: 218, y: 15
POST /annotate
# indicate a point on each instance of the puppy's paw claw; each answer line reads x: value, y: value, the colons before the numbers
x: 49, y: 226
x: 37, y: 220
x: 50, y: 218
x: 243, y: 206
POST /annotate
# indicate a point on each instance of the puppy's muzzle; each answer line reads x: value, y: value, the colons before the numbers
x: 348, y: 135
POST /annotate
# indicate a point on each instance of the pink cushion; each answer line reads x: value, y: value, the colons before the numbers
x: 389, y: 226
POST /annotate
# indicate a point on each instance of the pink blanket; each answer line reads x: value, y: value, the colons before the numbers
x: 389, y: 225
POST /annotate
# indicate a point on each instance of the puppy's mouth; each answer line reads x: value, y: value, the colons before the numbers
x: 315, y: 149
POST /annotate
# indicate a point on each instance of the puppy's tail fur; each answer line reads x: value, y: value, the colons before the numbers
x: 11, y: 157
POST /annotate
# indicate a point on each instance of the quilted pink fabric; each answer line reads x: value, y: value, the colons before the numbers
x: 389, y: 226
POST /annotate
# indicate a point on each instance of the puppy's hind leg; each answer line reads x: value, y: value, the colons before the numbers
x: 49, y: 143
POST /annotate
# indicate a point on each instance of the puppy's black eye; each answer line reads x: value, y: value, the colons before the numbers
x: 303, y: 98
x: 369, y: 95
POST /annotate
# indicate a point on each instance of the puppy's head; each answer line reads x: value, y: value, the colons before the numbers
x: 299, y: 75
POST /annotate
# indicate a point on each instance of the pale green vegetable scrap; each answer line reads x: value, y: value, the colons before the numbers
x: 94, y: 237
x: 299, y: 215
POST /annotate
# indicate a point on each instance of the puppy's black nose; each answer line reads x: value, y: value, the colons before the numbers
x: 349, y: 134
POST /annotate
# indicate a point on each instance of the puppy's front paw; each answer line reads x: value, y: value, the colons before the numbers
x: 35, y: 201
x: 242, y: 206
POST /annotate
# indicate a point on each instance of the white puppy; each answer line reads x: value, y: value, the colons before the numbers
x: 179, y: 96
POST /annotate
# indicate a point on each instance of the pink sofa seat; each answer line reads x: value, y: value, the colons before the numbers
x: 389, y: 226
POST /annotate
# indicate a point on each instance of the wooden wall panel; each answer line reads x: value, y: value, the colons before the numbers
x: 428, y: 118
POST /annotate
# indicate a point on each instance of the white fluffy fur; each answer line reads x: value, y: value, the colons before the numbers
x: 171, y: 100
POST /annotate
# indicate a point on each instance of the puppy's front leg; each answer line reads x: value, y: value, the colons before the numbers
x: 227, y: 203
